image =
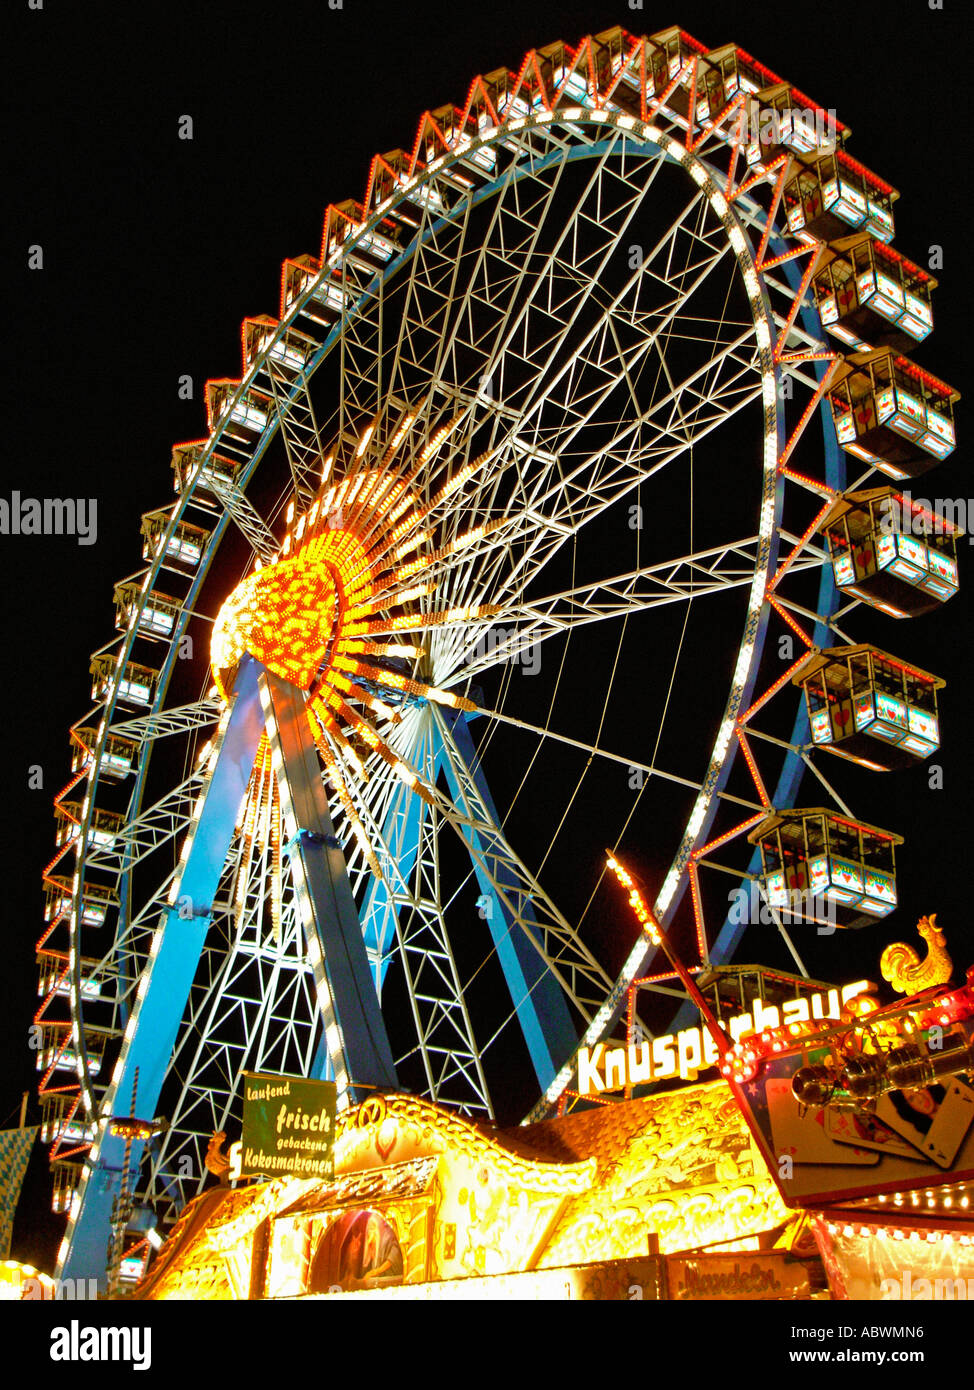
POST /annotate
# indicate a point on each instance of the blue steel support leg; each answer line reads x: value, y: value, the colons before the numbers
x: 400, y: 834
x: 542, y: 1012
x: 355, y: 1032
x: 154, y: 1024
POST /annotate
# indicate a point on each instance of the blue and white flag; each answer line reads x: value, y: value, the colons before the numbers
x: 15, y: 1151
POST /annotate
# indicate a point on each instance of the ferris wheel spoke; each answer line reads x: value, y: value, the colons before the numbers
x: 547, y: 281
x: 480, y: 563
x: 504, y: 262
x: 667, y: 413
x: 299, y: 428
x: 530, y: 909
x: 181, y: 719
x: 675, y: 282
x: 700, y: 390
x: 561, y: 369
x: 245, y: 515
x: 610, y: 366
x: 496, y: 640
x: 235, y: 950
x: 542, y: 527
x: 713, y: 401
x: 437, y: 262
x: 169, y: 818
x: 548, y: 295
x: 593, y: 750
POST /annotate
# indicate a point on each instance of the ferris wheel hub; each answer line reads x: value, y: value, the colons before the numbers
x: 286, y: 615
x: 295, y: 613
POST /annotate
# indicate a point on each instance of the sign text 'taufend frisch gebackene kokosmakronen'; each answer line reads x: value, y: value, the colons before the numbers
x: 288, y: 1127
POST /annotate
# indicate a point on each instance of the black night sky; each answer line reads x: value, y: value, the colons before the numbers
x: 155, y: 248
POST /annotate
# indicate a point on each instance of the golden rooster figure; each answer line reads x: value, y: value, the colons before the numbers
x: 904, y: 970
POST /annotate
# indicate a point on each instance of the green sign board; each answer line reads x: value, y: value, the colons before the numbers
x: 288, y: 1127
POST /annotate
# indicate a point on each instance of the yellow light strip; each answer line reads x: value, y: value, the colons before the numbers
x: 397, y: 438
x: 364, y: 444
x: 401, y: 769
x: 424, y: 620
x: 341, y: 789
x: 330, y: 727
x: 365, y: 698
x: 462, y: 476
x: 636, y: 901
x: 381, y: 648
x: 438, y: 438
x: 468, y: 538
x: 394, y: 681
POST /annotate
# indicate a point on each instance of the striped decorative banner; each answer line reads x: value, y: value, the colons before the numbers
x: 15, y: 1150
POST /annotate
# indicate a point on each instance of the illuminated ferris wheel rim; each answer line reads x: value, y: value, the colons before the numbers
x: 608, y: 123
x: 650, y: 137
x: 644, y: 131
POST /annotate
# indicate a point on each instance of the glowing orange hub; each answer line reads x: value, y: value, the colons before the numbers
x: 310, y: 615
x: 326, y: 614
x: 289, y: 615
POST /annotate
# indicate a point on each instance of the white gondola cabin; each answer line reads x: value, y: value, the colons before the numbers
x: 241, y: 415
x: 822, y: 867
x: 95, y: 900
x: 57, y: 1049
x: 52, y: 975
x: 666, y: 53
x: 868, y: 706
x: 156, y: 616
x: 891, y: 552
x: 136, y: 683
x: 207, y: 476
x: 836, y: 195
x: 63, y: 1119
x: 870, y: 297
x: 119, y: 755
x: 893, y: 415
x: 103, y: 827
x: 66, y: 1177
x: 179, y: 550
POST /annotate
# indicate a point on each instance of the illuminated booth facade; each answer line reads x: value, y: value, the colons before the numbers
x: 426, y: 1204
x: 865, y: 705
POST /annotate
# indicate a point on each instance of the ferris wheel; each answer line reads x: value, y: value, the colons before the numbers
x: 504, y: 500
